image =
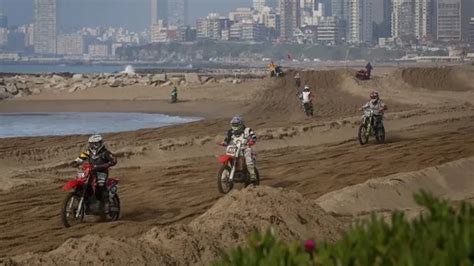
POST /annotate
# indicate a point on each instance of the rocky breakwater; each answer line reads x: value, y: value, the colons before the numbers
x: 23, y: 85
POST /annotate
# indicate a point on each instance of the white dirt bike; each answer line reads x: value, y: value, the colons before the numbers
x: 371, y: 127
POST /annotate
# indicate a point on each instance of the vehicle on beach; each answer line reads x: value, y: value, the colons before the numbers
x: 362, y: 75
x: 234, y: 169
x: 82, y: 200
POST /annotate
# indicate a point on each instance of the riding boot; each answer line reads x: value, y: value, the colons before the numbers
x: 253, y: 175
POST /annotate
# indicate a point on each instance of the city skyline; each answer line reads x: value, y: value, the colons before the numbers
x: 110, y: 13
x: 324, y: 22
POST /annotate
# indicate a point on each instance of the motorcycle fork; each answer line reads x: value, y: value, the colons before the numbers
x: 81, y: 204
x: 369, y: 127
x: 234, y: 164
x: 81, y: 201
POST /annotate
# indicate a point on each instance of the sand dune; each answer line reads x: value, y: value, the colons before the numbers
x: 224, y: 225
x: 453, y: 181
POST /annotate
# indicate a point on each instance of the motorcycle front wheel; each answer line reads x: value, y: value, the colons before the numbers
x: 363, y: 135
x: 224, y: 185
x: 69, y: 210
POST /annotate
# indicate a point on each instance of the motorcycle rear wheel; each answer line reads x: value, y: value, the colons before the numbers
x: 224, y: 185
x: 114, y: 208
x: 380, y: 135
x: 363, y: 135
x: 69, y: 210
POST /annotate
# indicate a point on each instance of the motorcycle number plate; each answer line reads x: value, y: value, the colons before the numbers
x: 231, y: 150
x: 81, y: 174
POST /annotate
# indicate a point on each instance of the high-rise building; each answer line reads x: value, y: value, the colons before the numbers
x: 158, y: 32
x: 3, y: 20
x: 387, y: 13
x: 339, y: 8
x: 45, y: 26
x: 71, y: 44
x: 471, y: 31
x: 290, y: 19
x: 159, y: 11
x: 98, y: 50
x: 259, y: 4
x: 403, y: 19
x: 30, y: 35
x: 327, y: 7
x: 425, y: 19
x: 3, y: 37
x: 467, y: 7
x: 241, y: 14
x: 359, y: 21
x: 311, y: 12
x: 177, y: 13
x: 171, y: 12
x: 212, y: 26
x: 413, y: 19
x: 251, y: 31
x: 448, y: 20
x: 329, y: 30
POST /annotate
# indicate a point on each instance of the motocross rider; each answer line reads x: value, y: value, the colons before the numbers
x: 306, y: 96
x: 297, y: 80
x: 377, y: 105
x: 237, y: 129
x: 101, y: 160
x: 174, y: 94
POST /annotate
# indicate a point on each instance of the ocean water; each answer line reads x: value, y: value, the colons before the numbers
x: 40, y: 68
x: 59, y: 124
x: 80, y: 69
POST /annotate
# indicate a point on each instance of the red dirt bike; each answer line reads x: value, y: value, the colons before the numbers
x: 234, y: 168
x: 363, y: 74
x: 82, y: 200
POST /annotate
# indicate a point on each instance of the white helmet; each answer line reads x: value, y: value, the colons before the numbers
x: 96, y: 143
x: 306, y: 88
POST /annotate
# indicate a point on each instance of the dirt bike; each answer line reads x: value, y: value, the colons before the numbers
x: 371, y: 127
x: 82, y: 200
x: 174, y: 98
x: 234, y: 167
x: 363, y: 74
x: 276, y: 72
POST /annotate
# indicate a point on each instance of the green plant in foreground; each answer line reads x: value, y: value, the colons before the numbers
x: 443, y: 236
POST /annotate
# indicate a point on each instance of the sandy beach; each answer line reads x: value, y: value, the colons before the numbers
x: 310, y: 167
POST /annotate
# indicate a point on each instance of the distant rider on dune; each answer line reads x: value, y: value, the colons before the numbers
x: 298, y: 80
x: 306, y: 95
x: 368, y: 68
x: 237, y: 129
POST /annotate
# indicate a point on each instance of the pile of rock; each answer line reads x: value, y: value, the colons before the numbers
x: 21, y: 85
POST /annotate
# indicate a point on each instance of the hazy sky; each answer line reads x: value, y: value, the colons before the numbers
x: 132, y: 14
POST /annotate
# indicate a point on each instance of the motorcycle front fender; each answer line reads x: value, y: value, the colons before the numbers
x: 224, y: 159
x: 73, y: 184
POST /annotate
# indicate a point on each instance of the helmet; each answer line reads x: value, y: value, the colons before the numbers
x: 96, y: 143
x: 236, y: 123
x: 306, y: 88
x: 374, y: 95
